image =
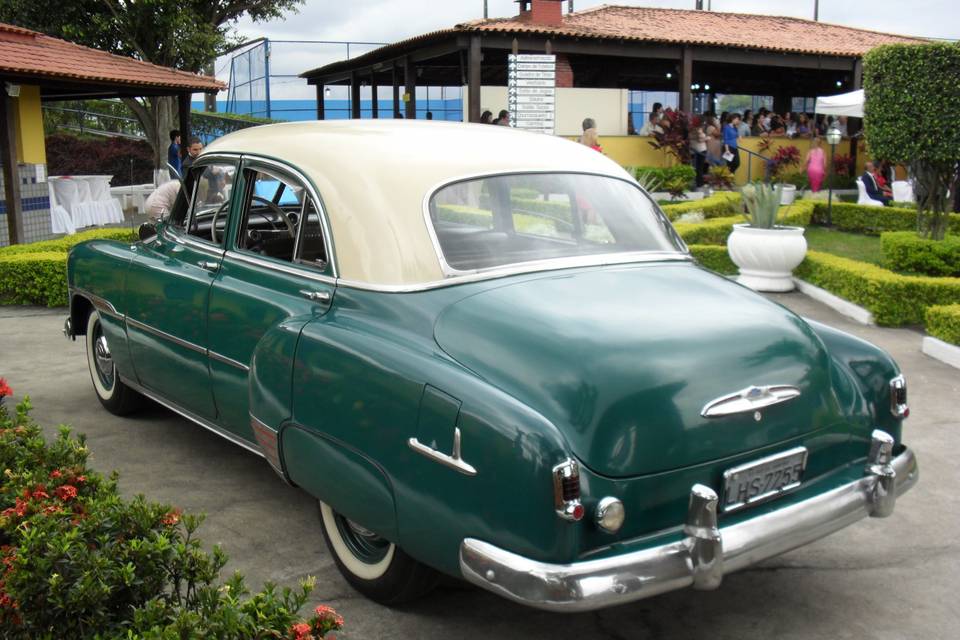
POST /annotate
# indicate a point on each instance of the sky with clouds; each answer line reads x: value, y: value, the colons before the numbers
x: 392, y: 20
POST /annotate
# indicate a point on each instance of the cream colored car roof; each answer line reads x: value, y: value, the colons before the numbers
x: 373, y: 176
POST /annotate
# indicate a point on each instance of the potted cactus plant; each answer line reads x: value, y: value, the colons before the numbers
x: 766, y: 253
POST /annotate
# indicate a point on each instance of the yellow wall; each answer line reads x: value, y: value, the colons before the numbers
x: 29, y: 119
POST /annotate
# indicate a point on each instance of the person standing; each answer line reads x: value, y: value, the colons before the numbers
x: 590, y: 137
x: 698, y: 151
x: 173, y: 155
x: 816, y: 163
x: 193, y: 150
x: 731, y: 150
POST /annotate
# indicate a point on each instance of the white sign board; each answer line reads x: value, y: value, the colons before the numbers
x: 531, y: 91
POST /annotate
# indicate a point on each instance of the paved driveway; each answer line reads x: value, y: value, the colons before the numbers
x: 895, y: 578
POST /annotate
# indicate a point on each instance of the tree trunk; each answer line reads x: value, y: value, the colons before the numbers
x: 931, y: 185
x: 156, y: 115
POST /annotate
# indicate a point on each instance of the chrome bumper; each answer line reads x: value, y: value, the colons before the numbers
x: 706, y: 552
x: 68, y: 329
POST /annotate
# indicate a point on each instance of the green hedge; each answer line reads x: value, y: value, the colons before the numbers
x: 874, y: 220
x: 906, y: 251
x: 893, y: 299
x: 664, y: 175
x: 943, y: 322
x: 720, y: 204
x: 34, y: 278
x: 62, y: 245
x: 716, y: 230
x: 714, y: 257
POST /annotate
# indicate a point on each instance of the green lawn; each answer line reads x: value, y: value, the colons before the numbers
x: 848, y: 245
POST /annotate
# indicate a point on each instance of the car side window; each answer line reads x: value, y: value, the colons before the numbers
x: 278, y: 211
x: 210, y: 186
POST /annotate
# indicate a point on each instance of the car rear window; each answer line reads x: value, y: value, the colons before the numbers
x: 496, y: 221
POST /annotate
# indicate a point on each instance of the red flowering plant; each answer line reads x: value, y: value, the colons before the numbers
x: 5, y: 390
x: 78, y: 558
x: 674, y: 138
x: 783, y: 161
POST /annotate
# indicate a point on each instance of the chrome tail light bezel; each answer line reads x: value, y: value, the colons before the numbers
x: 566, y: 491
x: 898, y: 397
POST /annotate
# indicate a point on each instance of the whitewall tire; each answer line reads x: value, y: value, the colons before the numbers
x: 112, y: 393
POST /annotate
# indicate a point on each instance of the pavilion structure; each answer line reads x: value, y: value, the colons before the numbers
x: 618, y: 47
x: 35, y: 68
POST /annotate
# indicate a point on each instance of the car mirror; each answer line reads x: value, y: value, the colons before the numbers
x: 147, y: 231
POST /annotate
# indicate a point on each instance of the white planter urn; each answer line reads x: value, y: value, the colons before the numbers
x: 789, y: 194
x: 766, y: 257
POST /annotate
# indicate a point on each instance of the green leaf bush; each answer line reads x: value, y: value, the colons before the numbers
x: 874, y: 220
x: 81, y: 562
x: 906, y: 251
x: 716, y: 230
x: 721, y: 204
x: 664, y: 175
x: 36, y: 273
x: 892, y: 298
x: 713, y: 257
x: 943, y: 322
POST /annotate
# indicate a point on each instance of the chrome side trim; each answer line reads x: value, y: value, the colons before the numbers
x: 523, y: 268
x: 189, y: 415
x: 700, y: 559
x: 453, y: 461
x: 100, y: 304
x: 230, y: 361
x: 450, y: 271
x: 166, y: 336
x: 303, y: 272
x: 749, y: 400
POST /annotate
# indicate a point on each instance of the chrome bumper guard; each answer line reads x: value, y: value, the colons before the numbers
x: 704, y: 555
x: 68, y: 329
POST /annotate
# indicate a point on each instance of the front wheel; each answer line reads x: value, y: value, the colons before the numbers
x: 112, y: 393
x: 374, y: 566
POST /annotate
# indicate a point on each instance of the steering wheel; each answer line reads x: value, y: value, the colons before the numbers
x: 283, y: 215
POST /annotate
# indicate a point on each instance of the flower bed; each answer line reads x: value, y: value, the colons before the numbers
x: 81, y: 562
x: 893, y: 299
x: 906, y: 251
x: 943, y: 322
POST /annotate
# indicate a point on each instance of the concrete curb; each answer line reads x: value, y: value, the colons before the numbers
x: 943, y: 351
x: 852, y: 311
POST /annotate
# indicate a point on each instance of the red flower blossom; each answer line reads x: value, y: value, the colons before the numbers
x: 5, y: 389
x: 56, y: 473
x: 300, y: 631
x: 66, y: 492
x: 328, y: 614
x: 171, y: 517
x: 80, y: 479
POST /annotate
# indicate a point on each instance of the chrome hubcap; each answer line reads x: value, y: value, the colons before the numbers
x: 365, y: 545
x: 104, y: 361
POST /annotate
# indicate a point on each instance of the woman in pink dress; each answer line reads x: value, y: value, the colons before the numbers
x: 816, y: 162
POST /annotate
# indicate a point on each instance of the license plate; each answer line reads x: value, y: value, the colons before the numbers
x: 763, y: 479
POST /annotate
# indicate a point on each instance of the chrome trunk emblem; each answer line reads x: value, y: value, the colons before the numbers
x: 748, y: 400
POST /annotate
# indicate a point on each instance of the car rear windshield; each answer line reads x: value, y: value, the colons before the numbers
x: 502, y: 220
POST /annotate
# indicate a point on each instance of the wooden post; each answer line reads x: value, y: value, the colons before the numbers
x: 375, y: 107
x: 395, y: 77
x: 354, y: 96
x: 410, y: 87
x: 321, y: 113
x: 474, y: 78
x: 11, y: 173
x: 183, y: 115
x: 686, y: 79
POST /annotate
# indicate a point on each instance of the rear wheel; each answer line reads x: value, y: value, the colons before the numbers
x: 373, y: 565
x: 112, y: 393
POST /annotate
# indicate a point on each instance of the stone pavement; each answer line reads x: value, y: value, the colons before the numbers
x: 894, y: 578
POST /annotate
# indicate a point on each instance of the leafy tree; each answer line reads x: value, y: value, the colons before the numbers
x: 910, y: 116
x: 183, y: 34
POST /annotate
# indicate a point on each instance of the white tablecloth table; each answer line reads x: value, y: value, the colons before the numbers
x: 86, y: 200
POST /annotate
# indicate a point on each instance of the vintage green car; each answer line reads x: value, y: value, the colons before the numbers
x: 488, y: 354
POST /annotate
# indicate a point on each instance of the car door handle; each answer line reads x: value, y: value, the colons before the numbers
x: 213, y: 267
x: 315, y: 296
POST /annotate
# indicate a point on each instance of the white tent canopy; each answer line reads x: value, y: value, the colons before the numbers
x: 844, y: 104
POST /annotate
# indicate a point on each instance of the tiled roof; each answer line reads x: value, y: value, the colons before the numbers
x: 668, y: 26
x: 27, y: 52
x: 709, y: 28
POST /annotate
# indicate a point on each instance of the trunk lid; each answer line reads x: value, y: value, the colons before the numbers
x: 623, y: 361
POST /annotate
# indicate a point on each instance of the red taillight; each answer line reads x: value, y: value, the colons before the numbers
x: 566, y: 490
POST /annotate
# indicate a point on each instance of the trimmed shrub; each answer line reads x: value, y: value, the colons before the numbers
x: 63, y: 245
x: 81, y: 562
x: 893, y: 299
x: 906, y: 251
x: 34, y: 278
x: 874, y: 220
x: 714, y: 258
x: 716, y: 230
x: 943, y: 322
x: 724, y: 203
x: 678, y: 172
